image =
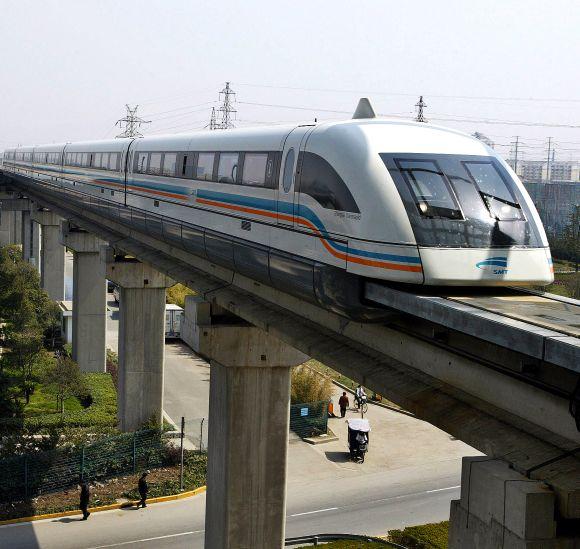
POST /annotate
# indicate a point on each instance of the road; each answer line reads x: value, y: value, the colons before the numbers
x: 408, y: 496
x: 411, y: 474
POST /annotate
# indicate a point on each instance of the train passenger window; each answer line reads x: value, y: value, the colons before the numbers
x: 85, y: 159
x: 105, y: 161
x: 97, y: 160
x: 154, y: 164
x: 141, y: 162
x: 228, y: 167
x: 183, y: 165
x: 113, y: 161
x: 430, y: 188
x: 169, y: 162
x: 320, y: 181
x: 254, y: 171
x: 205, y: 166
x: 288, y: 171
x: 496, y: 195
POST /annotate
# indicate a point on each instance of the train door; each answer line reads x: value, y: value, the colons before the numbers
x: 286, y: 200
x: 125, y: 165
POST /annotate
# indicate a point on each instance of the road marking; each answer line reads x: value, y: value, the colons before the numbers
x: 312, y: 512
x: 443, y: 489
x: 147, y: 539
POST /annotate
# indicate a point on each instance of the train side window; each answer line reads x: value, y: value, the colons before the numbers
x: 113, y: 161
x: 85, y: 159
x: 141, y: 162
x: 154, y: 164
x: 97, y: 161
x: 320, y: 181
x: 105, y: 161
x: 254, y: 171
x: 183, y: 165
x: 169, y: 163
x: 228, y: 167
x: 204, y: 169
x: 288, y: 171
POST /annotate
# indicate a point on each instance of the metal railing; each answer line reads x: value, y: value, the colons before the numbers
x: 324, y: 538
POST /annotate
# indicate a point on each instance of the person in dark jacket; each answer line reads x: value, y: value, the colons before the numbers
x: 143, y: 489
x: 84, y: 499
x: 343, y: 404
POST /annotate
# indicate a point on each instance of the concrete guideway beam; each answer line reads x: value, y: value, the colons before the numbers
x: 52, y: 256
x: 141, y: 339
x: 249, y: 415
x: 89, y: 315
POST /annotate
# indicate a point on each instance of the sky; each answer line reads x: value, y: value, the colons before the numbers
x: 504, y: 68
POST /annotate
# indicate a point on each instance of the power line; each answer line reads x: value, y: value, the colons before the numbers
x: 465, y: 97
x: 131, y: 122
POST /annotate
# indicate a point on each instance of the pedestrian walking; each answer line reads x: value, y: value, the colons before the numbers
x: 343, y: 404
x: 84, y: 499
x: 143, y: 489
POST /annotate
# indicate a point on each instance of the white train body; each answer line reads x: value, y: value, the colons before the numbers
x: 402, y: 202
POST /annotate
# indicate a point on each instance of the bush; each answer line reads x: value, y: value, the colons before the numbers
x: 176, y: 294
x: 113, y: 366
x: 309, y: 386
x: 427, y: 536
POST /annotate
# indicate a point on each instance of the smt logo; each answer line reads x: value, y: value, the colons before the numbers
x: 497, y: 265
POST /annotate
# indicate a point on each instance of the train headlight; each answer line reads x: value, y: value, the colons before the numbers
x: 423, y: 207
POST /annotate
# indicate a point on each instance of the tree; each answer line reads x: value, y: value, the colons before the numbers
x: 63, y: 379
x: 309, y: 386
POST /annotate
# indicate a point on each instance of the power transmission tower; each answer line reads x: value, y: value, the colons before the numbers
x: 515, y: 150
x: 213, y: 125
x: 131, y: 122
x: 548, y: 163
x: 420, y: 106
x: 226, y: 109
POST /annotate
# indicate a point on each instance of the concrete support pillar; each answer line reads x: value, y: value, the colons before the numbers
x: 17, y: 227
x: 141, y: 339
x: 26, y: 235
x: 499, y: 507
x: 52, y: 254
x: 89, y: 314
x: 6, y: 227
x: 248, y: 438
x: 35, y: 244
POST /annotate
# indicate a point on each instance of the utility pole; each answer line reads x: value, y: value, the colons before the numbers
x: 548, y: 163
x: 213, y: 125
x: 226, y: 109
x: 420, y: 106
x: 515, y: 149
x: 131, y: 122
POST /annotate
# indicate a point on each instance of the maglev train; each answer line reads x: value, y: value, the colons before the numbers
x: 315, y: 209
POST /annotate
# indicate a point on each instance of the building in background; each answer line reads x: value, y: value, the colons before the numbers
x: 555, y: 202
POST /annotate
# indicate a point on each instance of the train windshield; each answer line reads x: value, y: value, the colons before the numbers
x: 456, y: 200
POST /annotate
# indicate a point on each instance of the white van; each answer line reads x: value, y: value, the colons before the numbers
x: 173, y: 317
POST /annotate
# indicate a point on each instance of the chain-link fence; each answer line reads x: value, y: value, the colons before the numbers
x: 310, y: 419
x: 43, y: 472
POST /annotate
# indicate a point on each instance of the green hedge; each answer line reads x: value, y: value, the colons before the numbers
x: 101, y: 413
x: 426, y: 536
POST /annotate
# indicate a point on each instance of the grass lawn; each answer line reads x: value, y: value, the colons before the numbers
x: 567, y: 285
x: 349, y: 544
x: 45, y: 403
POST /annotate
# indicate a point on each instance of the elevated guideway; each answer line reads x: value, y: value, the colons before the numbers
x: 488, y: 369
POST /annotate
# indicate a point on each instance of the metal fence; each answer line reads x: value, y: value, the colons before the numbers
x: 34, y: 474
x: 310, y: 419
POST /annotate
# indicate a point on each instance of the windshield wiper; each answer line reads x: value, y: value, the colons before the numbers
x: 484, y: 196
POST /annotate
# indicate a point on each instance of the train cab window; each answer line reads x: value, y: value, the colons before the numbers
x: 113, y: 161
x: 141, y: 162
x: 204, y: 168
x: 169, y: 162
x: 254, y: 171
x: 154, y: 164
x: 496, y: 195
x: 228, y: 167
x: 430, y: 188
x: 320, y: 181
